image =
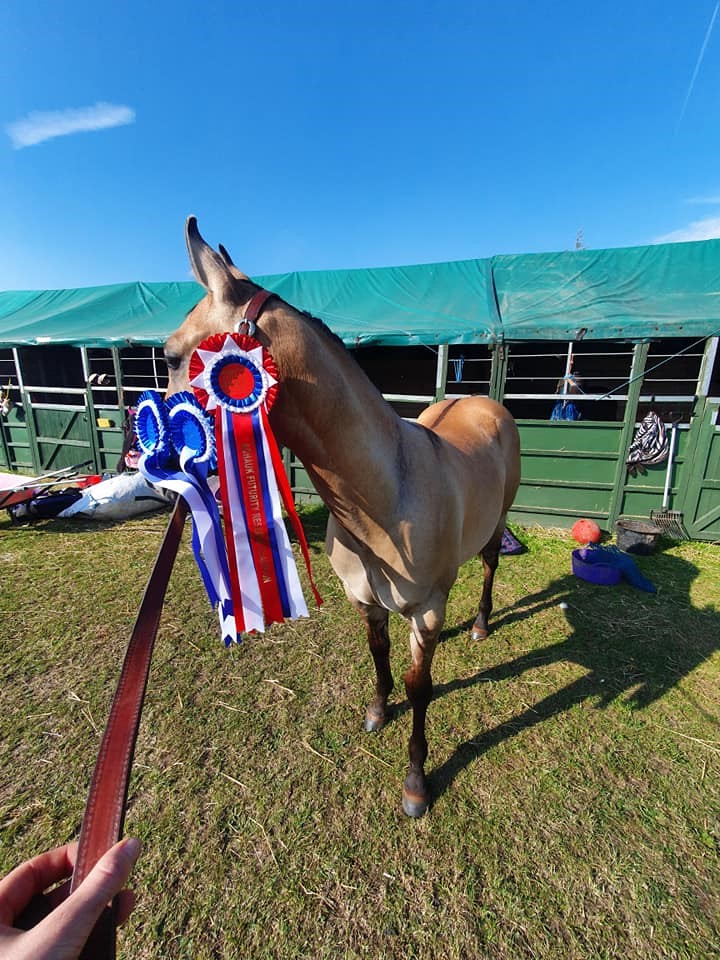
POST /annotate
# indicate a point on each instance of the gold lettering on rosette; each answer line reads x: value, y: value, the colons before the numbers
x: 256, y: 519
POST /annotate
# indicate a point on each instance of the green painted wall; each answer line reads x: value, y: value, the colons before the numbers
x: 15, y: 448
x: 568, y: 470
x: 42, y: 439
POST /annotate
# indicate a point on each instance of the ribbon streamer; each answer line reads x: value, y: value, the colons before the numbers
x: 236, y: 379
x: 178, y: 451
x: 246, y: 563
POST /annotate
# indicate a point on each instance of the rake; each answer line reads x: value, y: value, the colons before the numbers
x: 670, y: 521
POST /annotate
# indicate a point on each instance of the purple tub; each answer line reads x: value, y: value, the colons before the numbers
x: 600, y: 573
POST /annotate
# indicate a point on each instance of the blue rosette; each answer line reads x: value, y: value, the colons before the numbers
x: 152, y: 427
x: 193, y: 439
x: 191, y: 431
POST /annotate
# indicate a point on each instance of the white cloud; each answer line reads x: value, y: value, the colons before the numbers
x: 706, y: 229
x: 37, y: 127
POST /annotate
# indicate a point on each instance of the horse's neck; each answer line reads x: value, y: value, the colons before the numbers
x: 333, y: 418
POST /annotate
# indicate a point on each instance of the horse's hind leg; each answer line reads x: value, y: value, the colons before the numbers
x: 490, y: 554
x: 376, y: 623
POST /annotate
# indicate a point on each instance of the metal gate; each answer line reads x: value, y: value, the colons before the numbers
x: 62, y: 435
x: 701, y: 505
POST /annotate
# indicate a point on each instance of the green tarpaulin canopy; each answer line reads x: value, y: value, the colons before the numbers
x: 635, y: 293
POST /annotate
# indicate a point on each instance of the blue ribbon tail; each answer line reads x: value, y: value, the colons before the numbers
x: 212, y: 593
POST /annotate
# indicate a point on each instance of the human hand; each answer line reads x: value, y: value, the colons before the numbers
x: 62, y: 934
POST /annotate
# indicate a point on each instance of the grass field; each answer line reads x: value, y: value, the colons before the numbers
x: 574, y: 759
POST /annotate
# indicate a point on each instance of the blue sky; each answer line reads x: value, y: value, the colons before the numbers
x: 319, y: 135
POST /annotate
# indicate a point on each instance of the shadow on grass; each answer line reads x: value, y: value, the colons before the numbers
x: 641, y: 664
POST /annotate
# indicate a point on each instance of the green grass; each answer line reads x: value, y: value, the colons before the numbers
x: 573, y: 759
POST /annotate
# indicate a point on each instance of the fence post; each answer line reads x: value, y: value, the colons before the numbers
x: 6, y: 458
x: 640, y: 353
x: 90, y: 414
x: 441, y: 372
x: 498, y: 370
x: 38, y: 465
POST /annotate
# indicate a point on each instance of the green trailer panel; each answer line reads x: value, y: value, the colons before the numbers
x: 566, y: 499
x: 701, y: 503
x: 109, y: 436
x: 62, y: 435
x: 16, y: 448
x: 567, y: 468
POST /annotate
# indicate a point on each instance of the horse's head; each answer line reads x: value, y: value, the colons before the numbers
x: 228, y: 292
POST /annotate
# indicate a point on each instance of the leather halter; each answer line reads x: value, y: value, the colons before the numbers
x: 253, y: 310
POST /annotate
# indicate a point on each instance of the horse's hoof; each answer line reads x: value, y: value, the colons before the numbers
x: 374, y: 721
x: 415, y: 795
x: 414, y: 805
x: 478, y: 633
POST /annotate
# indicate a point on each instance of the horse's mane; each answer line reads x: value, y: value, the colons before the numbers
x: 321, y: 325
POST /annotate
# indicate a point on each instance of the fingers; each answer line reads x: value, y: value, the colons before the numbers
x: 71, y: 923
x: 33, y: 877
x: 125, y: 906
x: 59, y: 894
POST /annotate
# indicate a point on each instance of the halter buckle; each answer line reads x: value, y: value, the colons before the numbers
x: 250, y: 327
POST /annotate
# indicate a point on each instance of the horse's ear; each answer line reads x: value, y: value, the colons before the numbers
x: 209, y: 267
x: 238, y: 274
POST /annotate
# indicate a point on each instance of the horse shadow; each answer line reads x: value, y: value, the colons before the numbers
x: 637, y: 658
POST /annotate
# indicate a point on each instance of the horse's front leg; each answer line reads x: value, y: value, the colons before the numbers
x: 376, y: 623
x: 418, y: 686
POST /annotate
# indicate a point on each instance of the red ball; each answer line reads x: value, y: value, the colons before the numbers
x: 586, y: 531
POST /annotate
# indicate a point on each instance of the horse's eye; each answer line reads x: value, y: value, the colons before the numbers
x: 173, y: 362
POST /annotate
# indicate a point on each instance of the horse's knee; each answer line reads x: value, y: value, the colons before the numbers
x: 418, y: 687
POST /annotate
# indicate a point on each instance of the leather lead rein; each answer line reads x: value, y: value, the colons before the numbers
x: 105, y: 808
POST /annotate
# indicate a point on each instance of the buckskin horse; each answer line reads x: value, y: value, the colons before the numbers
x: 408, y: 501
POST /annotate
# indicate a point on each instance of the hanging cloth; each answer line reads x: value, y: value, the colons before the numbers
x: 649, y: 446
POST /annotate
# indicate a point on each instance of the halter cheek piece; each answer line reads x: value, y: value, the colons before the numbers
x: 252, y: 312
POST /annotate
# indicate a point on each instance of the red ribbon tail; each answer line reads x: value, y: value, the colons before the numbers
x: 288, y: 502
x: 256, y: 516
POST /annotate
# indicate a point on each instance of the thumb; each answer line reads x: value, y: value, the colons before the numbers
x: 70, y: 925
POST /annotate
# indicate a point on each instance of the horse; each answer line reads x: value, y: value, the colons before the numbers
x: 408, y: 502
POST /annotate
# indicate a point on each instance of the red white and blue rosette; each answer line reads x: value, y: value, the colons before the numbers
x: 235, y: 372
x: 178, y: 451
x: 236, y: 380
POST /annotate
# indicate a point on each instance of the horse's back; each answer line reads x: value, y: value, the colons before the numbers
x: 471, y: 423
x: 483, y: 430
